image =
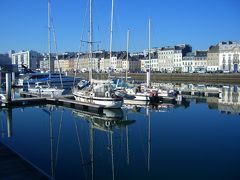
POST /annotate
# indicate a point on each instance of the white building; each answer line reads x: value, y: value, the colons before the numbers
x: 177, y: 61
x: 170, y: 57
x: 144, y: 65
x: 169, y: 60
x: 195, y: 62
x: 152, y: 64
x: 29, y: 59
x: 166, y: 59
x: 229, y: 53
x: 187, y: 63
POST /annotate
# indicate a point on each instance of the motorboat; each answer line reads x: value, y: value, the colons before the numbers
x: 42, y: 89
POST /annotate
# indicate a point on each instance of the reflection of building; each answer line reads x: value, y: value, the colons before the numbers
x: 230, y: 101
x: 230, y: 95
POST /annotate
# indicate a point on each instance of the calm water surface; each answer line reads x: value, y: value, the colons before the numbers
x: 187, y: 141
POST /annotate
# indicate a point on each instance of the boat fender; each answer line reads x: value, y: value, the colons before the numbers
x: 107, y: 94
x: 92, y: 94
x: 107, y: 124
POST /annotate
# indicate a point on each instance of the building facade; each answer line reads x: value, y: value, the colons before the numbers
x: 29, y: 59
x: 146, y: 64
x: 213, y: 58
x: 229, y: 53
x: 170, y: 57
x: 187, y: 63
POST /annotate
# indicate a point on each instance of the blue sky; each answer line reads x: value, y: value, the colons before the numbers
x: 197, y: 22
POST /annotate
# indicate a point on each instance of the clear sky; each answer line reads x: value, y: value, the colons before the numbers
x: 199, y: 23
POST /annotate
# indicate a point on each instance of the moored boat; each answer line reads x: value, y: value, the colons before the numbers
x: 41, y: 89
x: 100, y: 92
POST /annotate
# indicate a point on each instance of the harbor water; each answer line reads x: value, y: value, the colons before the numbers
x: 194, y: 139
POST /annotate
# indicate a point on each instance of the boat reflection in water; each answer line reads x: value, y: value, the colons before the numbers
x: 111, y: 118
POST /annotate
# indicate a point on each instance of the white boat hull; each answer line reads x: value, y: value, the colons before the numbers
x: 141, y: 97
x: 46, y: 92
x: 103, y: 101
x: 135, y: 102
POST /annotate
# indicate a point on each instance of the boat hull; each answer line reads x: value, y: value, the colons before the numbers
x: 102, y: 101
x: 46, y: 92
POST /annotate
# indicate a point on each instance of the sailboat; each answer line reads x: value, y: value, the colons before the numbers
x: 44, y: 88
x: 144, y: 94
x: 100, y: 92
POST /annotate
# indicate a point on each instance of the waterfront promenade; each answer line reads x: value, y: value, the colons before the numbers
x: 211, y: 78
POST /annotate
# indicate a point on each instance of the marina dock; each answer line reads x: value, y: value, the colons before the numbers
x: 66, y: 101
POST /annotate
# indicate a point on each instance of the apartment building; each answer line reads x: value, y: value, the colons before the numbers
x: 170, y: 57
x: 229, y: 53
x: 29, y: 59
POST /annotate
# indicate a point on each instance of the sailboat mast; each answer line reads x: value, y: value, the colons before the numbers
x: 149, y: 54
x: 127, y: 63
x: 90, y: 42
x: 49, y: 37
x: 111, y: 32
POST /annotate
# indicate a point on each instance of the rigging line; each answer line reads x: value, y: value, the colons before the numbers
x: 56, y: 47
x: 81, y: 43
x: 58, y: 141
x: 80, y: 147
